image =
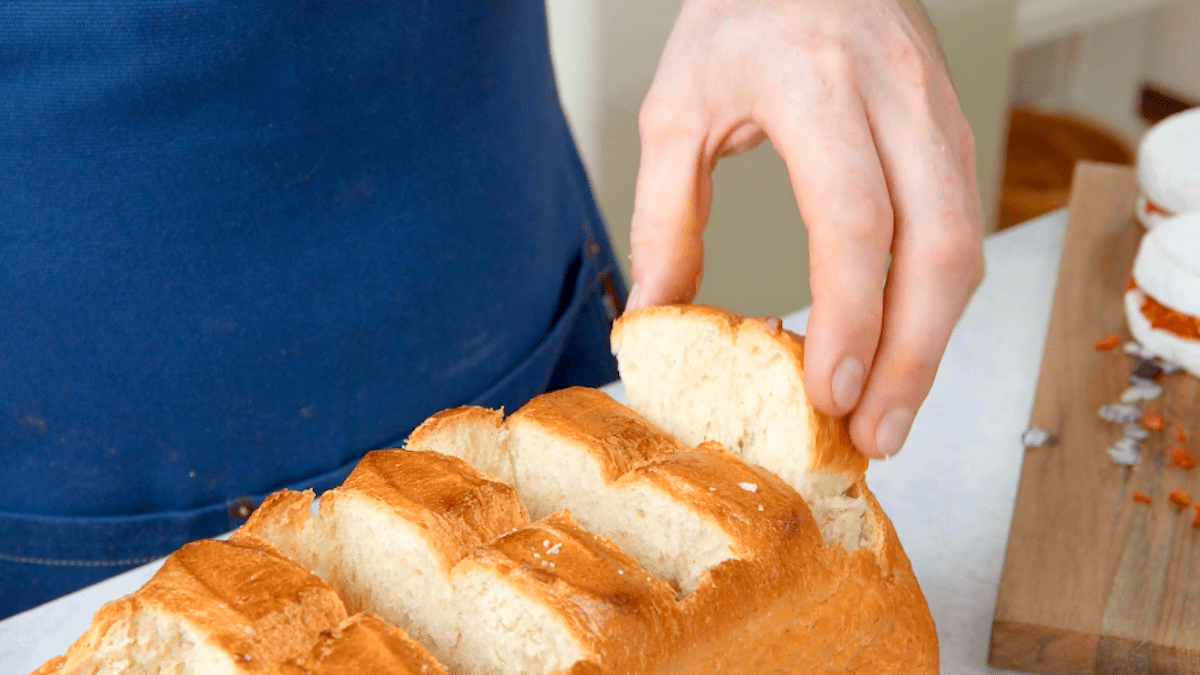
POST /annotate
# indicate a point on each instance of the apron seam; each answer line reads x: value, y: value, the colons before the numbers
x: 52, y: 562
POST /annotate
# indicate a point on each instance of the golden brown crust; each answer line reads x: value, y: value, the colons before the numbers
x: 252, y: 604
x: 623, y: 616
x: 618, y: 438
x: 283, y: 509
x: 432, y: 428
x: 456, y: 506
x: 364, y: 644
x: 763, y: 515
x: 50, y: 667
x: 789, y: 604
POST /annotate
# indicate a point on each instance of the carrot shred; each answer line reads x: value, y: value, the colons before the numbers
x: 1182, y: 457
x: 1153, y: 421
x: 1139, y: 496
x: 1180, y: 496
x: 1180, y: 435
x: 1108, y: 342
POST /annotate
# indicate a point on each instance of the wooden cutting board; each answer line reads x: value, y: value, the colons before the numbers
x: 1093, y: 581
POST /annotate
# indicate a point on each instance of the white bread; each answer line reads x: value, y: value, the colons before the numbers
x: 213, y: 608
x: 704, y: 374
x: 1168, y: 168
x: 707, y: 374
x: 673, y: 559
x: 390, y: 536
x: 678, y: 512
x: 429, y: 544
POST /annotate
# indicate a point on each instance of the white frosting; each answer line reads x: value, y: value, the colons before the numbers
x: 1168, y: 162
x: 1162, y: 343
x: 1149, y: 219
x: 1167, y: 266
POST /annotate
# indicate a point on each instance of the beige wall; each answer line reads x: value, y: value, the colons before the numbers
x: 1173, y: 57
x: 606, y: 52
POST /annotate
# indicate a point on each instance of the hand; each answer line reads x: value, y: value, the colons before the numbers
x: 856, y: 98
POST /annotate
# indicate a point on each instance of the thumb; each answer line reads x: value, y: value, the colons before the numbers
x: 670, y: 210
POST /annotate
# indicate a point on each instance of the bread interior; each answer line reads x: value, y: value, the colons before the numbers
x: 662, y: 533
x: 684, y: 375
x: 144, y: 640
x: 504, y: 631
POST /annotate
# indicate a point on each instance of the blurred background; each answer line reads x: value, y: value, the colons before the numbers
x: 1043, y: 83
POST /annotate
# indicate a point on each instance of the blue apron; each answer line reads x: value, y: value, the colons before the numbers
x: 244, y: 242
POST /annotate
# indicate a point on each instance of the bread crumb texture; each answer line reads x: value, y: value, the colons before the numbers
x: 720, y: 524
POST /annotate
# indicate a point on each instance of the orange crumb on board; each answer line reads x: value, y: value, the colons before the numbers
x: 1180, y: 435
x: 1153, y: 421
x: 1182, y: 457
x: 1108, y: 342
x: 1180, y: 496
x: 1196, y: 520
x: 1139, y: 496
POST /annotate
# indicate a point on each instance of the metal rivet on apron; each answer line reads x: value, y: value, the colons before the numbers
x: 241, y: 508
x: 612, y: 300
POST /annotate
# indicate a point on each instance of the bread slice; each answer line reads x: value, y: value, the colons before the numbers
x: 552, y: 596
x: 364, y: 644
x: 753, y: 571
x: 388, y: 538
x: 433, y: 546
x: 704, y: 374
x: 470, y: 433
x: 678, y: 512
x: 213, y: 608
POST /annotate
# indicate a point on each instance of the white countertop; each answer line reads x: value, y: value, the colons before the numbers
x: 950, y: 492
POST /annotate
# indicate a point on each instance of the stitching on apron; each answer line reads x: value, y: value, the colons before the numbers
x: 76, y: 563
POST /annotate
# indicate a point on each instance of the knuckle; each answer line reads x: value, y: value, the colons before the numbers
x: 834, y: 53
x: 955, y: 249
x: 655, y: 117
x: 908, y: 63
x: 660, y: 117
x: 867, y: 221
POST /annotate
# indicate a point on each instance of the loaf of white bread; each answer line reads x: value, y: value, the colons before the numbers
x: 719, y: 525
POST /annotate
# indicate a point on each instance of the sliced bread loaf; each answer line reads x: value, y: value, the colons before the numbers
x: 388, y: 538
x: 432, y: 545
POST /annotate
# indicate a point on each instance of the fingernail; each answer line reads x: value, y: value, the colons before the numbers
x: 631, y: 303
x: 892, y: 430
x: 848, y: 382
